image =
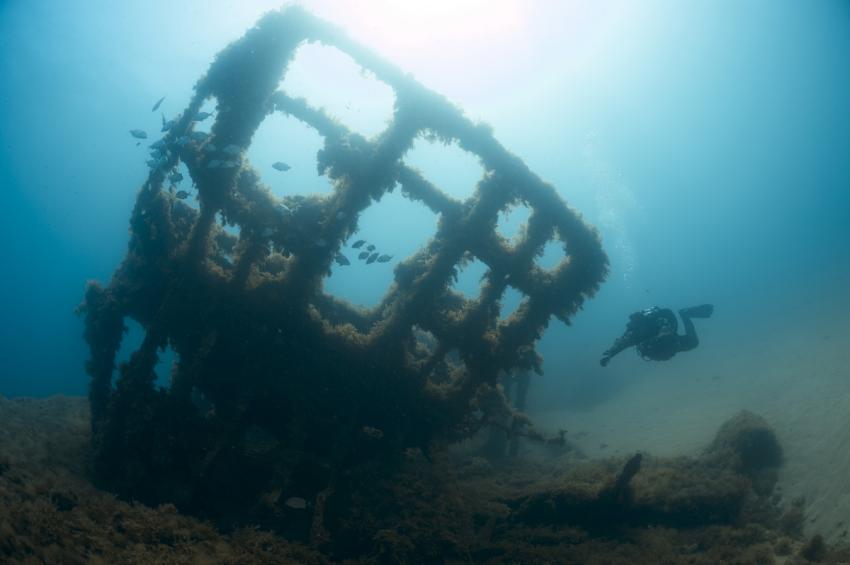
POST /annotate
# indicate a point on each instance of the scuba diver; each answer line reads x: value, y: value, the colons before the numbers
x: 653, y: 333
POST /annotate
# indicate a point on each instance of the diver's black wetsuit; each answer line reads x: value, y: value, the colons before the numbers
x: 653, y: 333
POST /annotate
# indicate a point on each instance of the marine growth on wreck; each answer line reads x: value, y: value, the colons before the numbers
x: 277, y: 386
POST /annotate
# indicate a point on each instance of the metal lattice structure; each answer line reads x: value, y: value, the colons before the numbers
x: 256, y: 335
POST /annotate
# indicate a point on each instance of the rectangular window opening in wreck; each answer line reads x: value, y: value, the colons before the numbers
x: 332, y: 80
x: 470, y: 275
x: 445, y: 165
x: 389, y: 231
x: 551, y: 255
x: 131, y: 342
x: 510, y: 302
x: 513, y: 221
x: 284, y: 152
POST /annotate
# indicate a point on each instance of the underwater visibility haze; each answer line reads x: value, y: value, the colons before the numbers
x: 706, y: 145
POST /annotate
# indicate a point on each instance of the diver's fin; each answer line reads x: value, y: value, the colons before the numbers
x: 701, y: 311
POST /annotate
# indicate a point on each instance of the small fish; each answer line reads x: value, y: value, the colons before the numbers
x: 232, y: 149
x: 229, y: 164
x: 372, y: 258
x: 138, y: 143
x: 167, y: 125
x: 158, y: 144
x: 384, y: 258
x: 296, y: 502
x: 342, y: 259
x: 199, y: 135
x: 175, y: 177
x: 152, y: 163
x: 156, y: 106
x: 340, y: 215
x: 267, y: 232
x: 373, y: 433
x: 214, y: 164
x: 358, y: 244
x: 201, y: 116
x: 363, y: 255
x: 138, y: 134
x: 182, y: 140
x: 284, y: 208
x: 370, y: 248
x: 321, y: 242
x: 281, y: 166
x: 182, y: 194
x: 211, y: 147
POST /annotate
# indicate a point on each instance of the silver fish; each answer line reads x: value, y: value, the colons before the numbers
x: 372, y: 258
x: 267, y: 232
x: 175, y: 177
x: 321, y: 242
x: 210, y: 147
x: 138, y: 134
x: 182, y: 194
x: 156, y: 106
x: 358, y: 244
x: 296, y: 502
x: 201, y: 116
x: 384, y: 258
x: 342, y: 259
x: 281, y: 166
x: 229, y: 164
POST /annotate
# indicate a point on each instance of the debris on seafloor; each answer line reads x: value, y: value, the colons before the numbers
x: 456, y: 508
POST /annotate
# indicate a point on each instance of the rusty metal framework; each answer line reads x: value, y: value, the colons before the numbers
x: 254, y: 332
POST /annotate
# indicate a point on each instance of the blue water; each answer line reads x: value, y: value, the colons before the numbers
x: 708, y: 142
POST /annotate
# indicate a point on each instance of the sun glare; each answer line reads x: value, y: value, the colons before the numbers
x: 414, y: 32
